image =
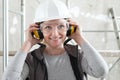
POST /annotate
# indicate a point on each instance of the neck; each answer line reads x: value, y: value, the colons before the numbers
x: 54, y: 51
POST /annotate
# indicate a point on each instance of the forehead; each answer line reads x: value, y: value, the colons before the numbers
x: 55, y: 21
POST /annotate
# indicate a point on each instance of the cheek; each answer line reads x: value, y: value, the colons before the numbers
x: 64, y: 33
x: 45, y: 36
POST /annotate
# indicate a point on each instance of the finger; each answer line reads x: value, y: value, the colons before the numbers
x: 34, y: 25
x: 33, y: 28
x: 73, y: 24
x: 71, y: 21
x: 38, y: 23
x: 68, y: 19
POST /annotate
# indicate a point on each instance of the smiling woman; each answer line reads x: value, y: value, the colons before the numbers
x: 54, y: 60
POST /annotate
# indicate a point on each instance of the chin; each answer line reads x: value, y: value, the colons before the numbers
x: 56, y: 45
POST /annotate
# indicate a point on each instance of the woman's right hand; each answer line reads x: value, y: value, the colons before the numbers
x: 29, y: 39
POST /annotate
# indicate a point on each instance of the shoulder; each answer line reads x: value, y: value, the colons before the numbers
x: 73, y: 50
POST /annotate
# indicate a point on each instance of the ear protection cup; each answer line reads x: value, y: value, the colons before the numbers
x: 71, y: 30
x: 37, y: 34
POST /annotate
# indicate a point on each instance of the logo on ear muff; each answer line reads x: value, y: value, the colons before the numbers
x: 71, y: 30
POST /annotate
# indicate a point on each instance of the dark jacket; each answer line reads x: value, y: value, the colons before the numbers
x: 37, y: 67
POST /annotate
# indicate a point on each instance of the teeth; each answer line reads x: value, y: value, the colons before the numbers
x: 54, y: 39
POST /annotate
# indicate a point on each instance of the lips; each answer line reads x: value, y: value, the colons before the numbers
x: 55, y: 39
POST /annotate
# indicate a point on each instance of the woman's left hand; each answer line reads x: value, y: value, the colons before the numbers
x: 77, y: 35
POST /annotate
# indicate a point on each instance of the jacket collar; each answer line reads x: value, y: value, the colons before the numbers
x: 71, y: 50
x: 38, y: 53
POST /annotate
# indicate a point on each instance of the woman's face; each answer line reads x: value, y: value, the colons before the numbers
x: 54, y: 32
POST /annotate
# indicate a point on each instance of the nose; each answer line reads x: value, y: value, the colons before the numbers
x: 55, y: 33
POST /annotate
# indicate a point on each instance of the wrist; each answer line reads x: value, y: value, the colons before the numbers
x: 26, y: 46
x: 80, y: 40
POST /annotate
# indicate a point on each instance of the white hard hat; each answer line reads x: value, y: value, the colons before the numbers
x: 51, y: 9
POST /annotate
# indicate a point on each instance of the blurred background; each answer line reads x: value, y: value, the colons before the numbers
x: 99, y: 19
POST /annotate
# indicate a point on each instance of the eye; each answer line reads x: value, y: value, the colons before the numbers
x: 61, y: 27
x: 47, y: 28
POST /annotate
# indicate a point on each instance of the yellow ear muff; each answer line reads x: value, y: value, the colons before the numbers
x: 72, y: 29
x: 36, y: 34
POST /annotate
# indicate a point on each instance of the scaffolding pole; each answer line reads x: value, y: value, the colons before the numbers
x: 22, y: 21
x: 5, y: 29
x: 116, y: 34
x: 5, y: 34
x: 115, y: 26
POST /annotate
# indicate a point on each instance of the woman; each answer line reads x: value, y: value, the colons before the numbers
x: 53, y: 60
